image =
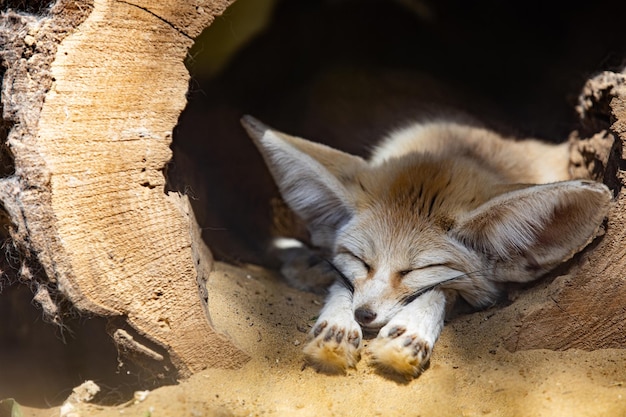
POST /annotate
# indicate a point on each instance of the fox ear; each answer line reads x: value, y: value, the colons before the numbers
x: 314, y: 179
x: 544, y: 224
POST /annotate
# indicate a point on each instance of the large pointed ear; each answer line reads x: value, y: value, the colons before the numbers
x: 315, y: 180
x: 541, y: 225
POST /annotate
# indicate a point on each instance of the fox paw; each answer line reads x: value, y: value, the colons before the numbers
x: 302, y: 267
x: 333, y: 347
x: 400, y: 352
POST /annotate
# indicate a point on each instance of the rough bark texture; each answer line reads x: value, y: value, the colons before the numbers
x: 91, y: 94
x: 587, y: 309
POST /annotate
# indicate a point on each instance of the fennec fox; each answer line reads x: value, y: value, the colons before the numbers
x: 440, y: 210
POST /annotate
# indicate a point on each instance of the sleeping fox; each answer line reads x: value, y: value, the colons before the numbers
x: 440, y: 210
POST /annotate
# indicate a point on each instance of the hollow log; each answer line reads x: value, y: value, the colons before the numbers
x: 91, y: 94
x: 586, y: 308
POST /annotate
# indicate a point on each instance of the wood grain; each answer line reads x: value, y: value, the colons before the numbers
x: 587, y: 308
x: 92, y: 185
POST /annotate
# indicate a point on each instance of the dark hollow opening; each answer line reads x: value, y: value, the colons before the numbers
x: 338, y: 72
x: 345, y: 72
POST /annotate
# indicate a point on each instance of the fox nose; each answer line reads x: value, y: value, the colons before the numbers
x: 364, y: 315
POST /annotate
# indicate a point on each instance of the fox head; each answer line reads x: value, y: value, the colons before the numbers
x: 400, y: 227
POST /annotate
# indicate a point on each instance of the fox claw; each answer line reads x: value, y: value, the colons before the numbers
x: 334, y: 348
x: 403, y: 354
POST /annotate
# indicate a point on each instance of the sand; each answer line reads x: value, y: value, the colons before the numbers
x: 471, y: 373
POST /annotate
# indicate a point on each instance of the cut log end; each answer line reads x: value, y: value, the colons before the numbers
x: 95, y: 91
x: 85, y: 193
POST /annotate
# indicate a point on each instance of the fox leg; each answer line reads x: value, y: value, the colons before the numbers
x: 335, y: 340
x: 403, y: 346
x: 302, y: 267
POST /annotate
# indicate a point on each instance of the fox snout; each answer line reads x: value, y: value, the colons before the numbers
x: 364, y: 315
x: 369, y: 320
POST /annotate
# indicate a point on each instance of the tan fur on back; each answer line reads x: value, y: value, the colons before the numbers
x: 529, y: 161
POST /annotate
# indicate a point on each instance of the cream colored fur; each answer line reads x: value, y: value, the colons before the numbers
x: 440, y: 210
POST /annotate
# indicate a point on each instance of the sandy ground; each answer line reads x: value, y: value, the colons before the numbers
x: 470, y: 374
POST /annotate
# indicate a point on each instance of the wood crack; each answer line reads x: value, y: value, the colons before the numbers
x: 162, y: 19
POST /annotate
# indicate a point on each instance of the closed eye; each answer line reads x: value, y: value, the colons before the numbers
x: 344, y: 280
x: 411, y: 297
x: 365, y: 264
x: 367, y: 267
x: 406, y: 272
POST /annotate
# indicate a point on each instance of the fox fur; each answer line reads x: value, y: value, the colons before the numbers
x: 440, y: 210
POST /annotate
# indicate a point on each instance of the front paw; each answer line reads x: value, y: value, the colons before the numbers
x: 334, y: 346
x: 400, y: 352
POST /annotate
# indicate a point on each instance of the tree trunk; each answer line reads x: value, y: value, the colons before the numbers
x: 586, y: 308
x: 91, y: 94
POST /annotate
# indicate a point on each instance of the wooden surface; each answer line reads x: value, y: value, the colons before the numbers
x: 92, y: 180
x: 94, y: 92
x: 586, y: 309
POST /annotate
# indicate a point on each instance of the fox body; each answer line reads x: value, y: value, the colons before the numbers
x: 440, y: 210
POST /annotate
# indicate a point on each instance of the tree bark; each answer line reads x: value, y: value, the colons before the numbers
x: 586, y: 308
x: 91, y: 94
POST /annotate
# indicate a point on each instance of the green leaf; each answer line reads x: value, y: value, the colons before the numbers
x: 10, y: 408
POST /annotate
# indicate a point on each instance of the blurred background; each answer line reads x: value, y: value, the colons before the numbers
x: 345, y: 72
x: 341, y: 72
